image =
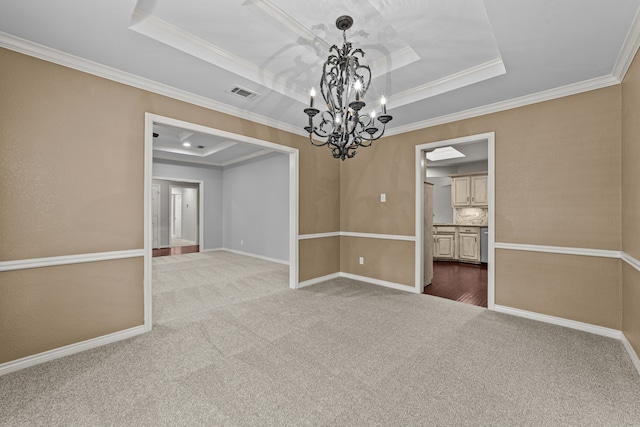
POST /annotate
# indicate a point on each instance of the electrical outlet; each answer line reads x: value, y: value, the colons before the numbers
x: 361, y: 260
x: 241, y: 242
x: 383, y: 198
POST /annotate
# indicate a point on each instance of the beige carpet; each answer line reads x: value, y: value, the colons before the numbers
x: 233, y: 346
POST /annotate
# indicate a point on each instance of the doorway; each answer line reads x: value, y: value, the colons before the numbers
x: 177, y: 216
x: 463, y: 267
x: 189, y: 128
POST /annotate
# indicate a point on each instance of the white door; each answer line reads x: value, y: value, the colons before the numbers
x: 176, y: 211
x: 155, y: 215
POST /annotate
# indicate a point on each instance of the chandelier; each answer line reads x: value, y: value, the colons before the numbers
x: 343, y: 85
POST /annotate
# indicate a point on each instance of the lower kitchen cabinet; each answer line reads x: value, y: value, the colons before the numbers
x: 456, y: 243
x: 444, y: 246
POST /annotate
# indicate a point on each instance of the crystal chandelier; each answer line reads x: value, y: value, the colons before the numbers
x: 343, y: 85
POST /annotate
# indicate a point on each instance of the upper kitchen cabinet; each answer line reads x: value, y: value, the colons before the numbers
x: 469, y: 191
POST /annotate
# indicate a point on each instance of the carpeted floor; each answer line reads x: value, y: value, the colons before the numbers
x: 233, y: 346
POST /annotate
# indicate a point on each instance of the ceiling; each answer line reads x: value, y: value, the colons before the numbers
x: 435, y: 61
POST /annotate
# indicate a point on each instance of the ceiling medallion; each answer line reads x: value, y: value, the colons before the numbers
x: 343, y: 85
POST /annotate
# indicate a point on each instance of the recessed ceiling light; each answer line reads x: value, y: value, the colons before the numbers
x: 186, y: 144
x: 444, y: 153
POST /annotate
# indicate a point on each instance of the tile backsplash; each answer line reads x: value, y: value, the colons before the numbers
x: 472, y: 216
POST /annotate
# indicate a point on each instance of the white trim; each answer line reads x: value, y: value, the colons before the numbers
x: 264, y: 258
x: 419, y: 208
x: 356, y: 234
x: 200, y: 204
x: 602, y: 253
x: 629, y: 49
x: 547, y: 95
x: 293, y: 154
x: 378, y: 236
x: 573, y: 324
x: 35, y: 50
x: 630, y: 260
x: 449, y: 83
x: 318, y: 280
x: 319, y: 235
x: 70, y: 349
x: 632, y: 354
x: 393, y: 285
x: 23, y: 264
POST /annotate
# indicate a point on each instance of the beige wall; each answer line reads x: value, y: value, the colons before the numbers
x: 319, y: 257
x: 71, y: 182
x: 631, y: 202
x: 582, y: 288
x: 388, y: 260
x: 557, y: 173
x: 45, y: 308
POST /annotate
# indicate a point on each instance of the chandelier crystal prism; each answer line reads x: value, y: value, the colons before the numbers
x: 343, y: 126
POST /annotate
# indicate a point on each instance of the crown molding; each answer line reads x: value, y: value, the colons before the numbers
x: 170, y: 35
x: 629, y: 49
x: 449, y: 83
x: 547, y: 95
x: 55, y: 56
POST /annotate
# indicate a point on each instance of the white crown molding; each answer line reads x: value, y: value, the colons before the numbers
x: 70, y: 61
x: 602, y: 253
x: 287, y: 21
x: 170, y: 35
x: 630, y: 260
x: 547, y: 95
x: 23, y: 264
x: 629, y: 49
x: 68, y: 350
x: 449, y: 83
x: 248, y: 157
x: 395, y: 60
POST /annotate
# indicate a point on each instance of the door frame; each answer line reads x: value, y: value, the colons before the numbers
x: 293, y: 153
x: 200, y: 204
x: 419, y: 226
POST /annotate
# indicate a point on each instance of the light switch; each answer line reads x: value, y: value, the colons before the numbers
x: 383, y: 197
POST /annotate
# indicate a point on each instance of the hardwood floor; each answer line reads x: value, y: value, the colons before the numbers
x: 459, y: 282
x: 176, y: 250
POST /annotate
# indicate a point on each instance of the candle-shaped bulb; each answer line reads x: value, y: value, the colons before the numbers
x: 383, y: 102
x: 357, y: 85
x: 373, y: 114
x: 312, y: 95
x: 337, y: 118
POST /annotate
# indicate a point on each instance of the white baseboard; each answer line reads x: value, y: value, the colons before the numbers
x: 379, y: 282
x: 581, y: 326
x: 318, y: 280
x: 265, y: 258
x: 365, y: 279
x: 68, y: 350
x: 279, y: 261
x: 634, y: 356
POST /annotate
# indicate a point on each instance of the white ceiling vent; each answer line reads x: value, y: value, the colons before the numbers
x: 243, y: 92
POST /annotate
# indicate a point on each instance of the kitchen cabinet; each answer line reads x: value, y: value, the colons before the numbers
x: 456, y: 243
x: 469, y: 244
x: 469, y: 191
x: 444, y: 242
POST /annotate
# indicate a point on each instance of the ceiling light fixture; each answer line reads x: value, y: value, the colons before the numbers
x: 444, y: 153
x: 343, y: 85
x: 186, y: 144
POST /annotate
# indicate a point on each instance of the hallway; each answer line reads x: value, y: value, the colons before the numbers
x: 459, y: 282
